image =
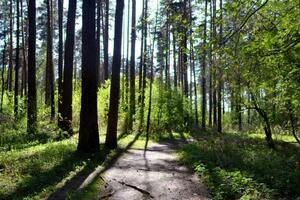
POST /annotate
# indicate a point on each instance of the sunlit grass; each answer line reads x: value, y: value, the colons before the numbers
x: 236, y: 166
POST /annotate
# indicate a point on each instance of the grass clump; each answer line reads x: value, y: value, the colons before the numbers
x: 242, y: 167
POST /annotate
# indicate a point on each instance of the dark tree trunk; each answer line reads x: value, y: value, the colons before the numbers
x: 142, y: 55
x: 24, y: 66
x: 10, y: 66
x: 60, y: 58
x: 32, y: 108
x: 98, y: 3
x: 17, y: 65
x: 219, y: 124
x: 49, y: 95
x: 105, y: 40
x: 203, y: 124
x: 67, y: 90
x: 214, y: 32
x: 132, y: 65
x: 88, y: 131
x: 112, y: 124
x: 210, y: 66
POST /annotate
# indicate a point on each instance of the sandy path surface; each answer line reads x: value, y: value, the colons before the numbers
x: 154, y: 174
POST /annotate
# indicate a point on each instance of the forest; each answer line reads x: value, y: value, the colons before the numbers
x: 150, y: 99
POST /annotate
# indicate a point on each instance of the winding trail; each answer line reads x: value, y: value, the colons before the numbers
x: 152, y: 174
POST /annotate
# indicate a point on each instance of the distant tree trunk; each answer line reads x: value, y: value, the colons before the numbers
x: 112, y: 124
x: 88, y: 131
x: 145, y: 64
x: 17, y: 62
x: 132, y: 65
x: 267, y: 127
x: 32, y: 103
x: 219, y: 124
x: 195, y: 89
x: 210, y: 66
x: 67, y: 90
x: 10, y: 66
x: 204, y: 71
x: 24, y: 66
x: 49, y: 95
x: 106, y: 40
x: 174, y: 60
x: 185, y: 56
x: 214, y: 32
x: 2, y: 72
x: 142, y: 54
x: 60, y: 58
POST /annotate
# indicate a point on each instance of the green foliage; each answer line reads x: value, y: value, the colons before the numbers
x: 241, y: 167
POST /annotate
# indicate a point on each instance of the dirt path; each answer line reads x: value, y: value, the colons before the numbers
x: 154, y: 174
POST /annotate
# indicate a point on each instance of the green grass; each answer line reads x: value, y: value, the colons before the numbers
x: 242, y: 167
x: 32, y: 167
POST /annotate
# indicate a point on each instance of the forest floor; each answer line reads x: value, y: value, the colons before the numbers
x: 152, y: 173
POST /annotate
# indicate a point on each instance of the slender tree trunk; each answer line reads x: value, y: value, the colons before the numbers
x: 210, y: 66
x: 145, y: 65
x: 67, y: 87
x: 106, y: 40
x: 32, y: 108
x: 24, y: 66
x: 142, y: 55
x: 174, y: 60
x: 219, y: 127
x: 204, y: 71
x: 10, y: 66
x: 60, y: 58
x: 2, y: 72
x: 214, y: 104
x: 49, y: 95
x: 17, y: 65
x: 98, y: 24
x: 88, y: 131
x: 132, y: 65
x: 111, y: 135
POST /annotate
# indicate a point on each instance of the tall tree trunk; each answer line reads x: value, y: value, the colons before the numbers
x: 214, y: 32
x: 112, y: 124
x: 88, y: 131
x: 142, y: 54
x: 17, y: 61
x: 204, y: 71
x: 49, y: 95
x: 145, y: 65
x: 106, y: 40
x: 24, y: 65
x: 132, y: 65
x: 210, y: 66
x: 98, y: 24
x: 32, y: 103
x: 219, y: 127
x: 67, y: 90
x: 10, y: 66
x: 60, y: 58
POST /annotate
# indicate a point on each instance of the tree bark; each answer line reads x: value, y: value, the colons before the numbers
x: 203, y: 123
x: 132, y: 66
x: 67, y: 90
x: 112, y: 124
x: 17, y: 61
x: 60, y: 58
x: 106, y: 40
x: 32, y: 107
x: 88, y: 131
